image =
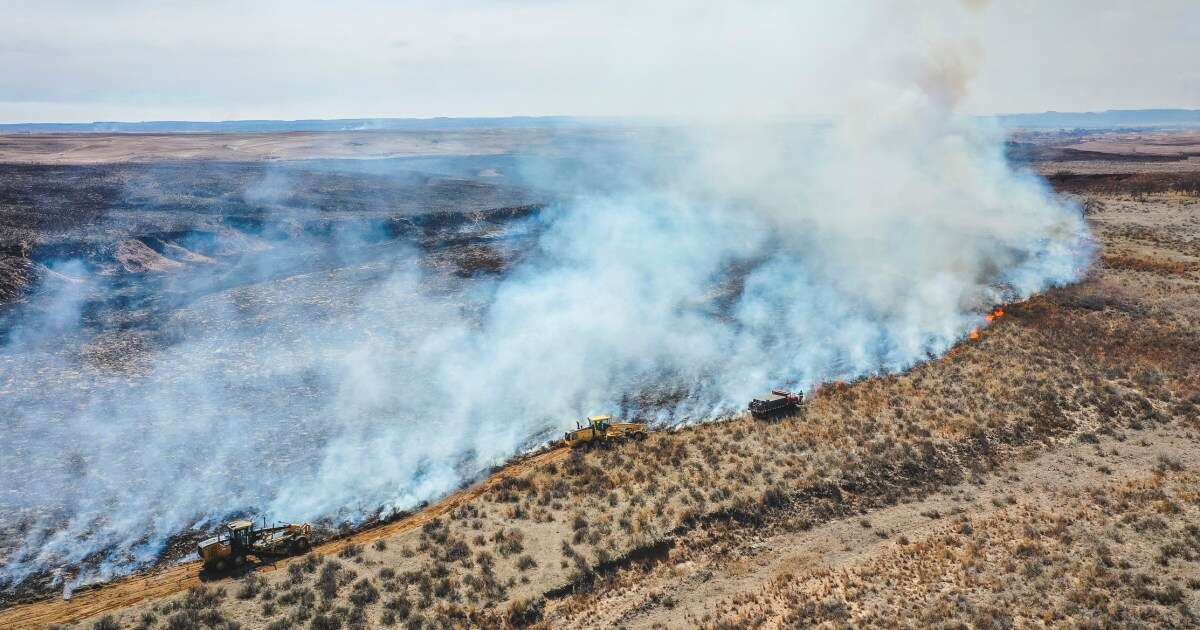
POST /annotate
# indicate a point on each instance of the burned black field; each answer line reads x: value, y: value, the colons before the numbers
x: 144, y: 257
x: 93, y: 213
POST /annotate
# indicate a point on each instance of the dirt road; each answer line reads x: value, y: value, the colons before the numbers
x: 157, y: 584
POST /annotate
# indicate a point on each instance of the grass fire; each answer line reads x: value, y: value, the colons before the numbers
x: 779, y: 329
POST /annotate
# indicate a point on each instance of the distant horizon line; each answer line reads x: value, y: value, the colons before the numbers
x: 1131, y: 116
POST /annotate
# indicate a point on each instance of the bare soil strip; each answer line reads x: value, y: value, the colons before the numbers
x: 157, y: 584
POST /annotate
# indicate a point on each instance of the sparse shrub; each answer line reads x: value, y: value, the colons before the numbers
x: 524, y: 612
x: 379, y: 545
x: 1171, y: 464
x: 456, y: 549
x: 398, y: 605
x: 350, y: 552
x: 526, y: 562
x: 301, y: 596
x: 147, y: 620
x: 510, y: 542
x: 446, y: 588
x: 775, y: 498
x: 301, y: 614
x: 107, y: 622
x: 321, y: 621
x: 200, y: 597
x: 327, y: 581
x: 251, y: 584
x: 363, y: 593
x: 1170, y: 596
x: 184, y: 620
x: 356, y: 619
x: 438, y: 569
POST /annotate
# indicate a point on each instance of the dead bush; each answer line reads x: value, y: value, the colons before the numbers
x: 106, y: 623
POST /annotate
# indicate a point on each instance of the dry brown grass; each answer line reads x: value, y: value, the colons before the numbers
x: 1127, y: 555
x: 1148, y: 265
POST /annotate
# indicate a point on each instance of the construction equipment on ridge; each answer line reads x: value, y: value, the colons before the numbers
x: 238, y: 539
x: 601, y: 430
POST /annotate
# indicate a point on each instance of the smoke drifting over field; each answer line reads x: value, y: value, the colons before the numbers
x: 742, y: 258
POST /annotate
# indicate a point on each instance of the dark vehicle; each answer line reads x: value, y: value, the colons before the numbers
x: 780, y: 402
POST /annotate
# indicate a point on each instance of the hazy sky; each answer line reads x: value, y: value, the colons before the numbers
x: 214, y: 60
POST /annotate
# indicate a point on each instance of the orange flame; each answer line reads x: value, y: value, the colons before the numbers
x: 990, y: 317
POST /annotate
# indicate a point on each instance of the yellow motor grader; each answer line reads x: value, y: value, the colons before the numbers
x: 238, y: 539
x: 601, y: 430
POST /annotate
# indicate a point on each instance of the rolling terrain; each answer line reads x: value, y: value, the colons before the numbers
x: 1039, y: 473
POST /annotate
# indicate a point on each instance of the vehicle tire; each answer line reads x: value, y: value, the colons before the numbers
x: 239, y: 561
x: 300, y: 546
x: 220, y: 565
x: 640, y: 435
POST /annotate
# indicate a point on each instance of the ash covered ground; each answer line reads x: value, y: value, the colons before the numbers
x: 131, y: 277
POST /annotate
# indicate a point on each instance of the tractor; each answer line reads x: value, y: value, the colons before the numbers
x: 601, y: 430
x: 238, y: 539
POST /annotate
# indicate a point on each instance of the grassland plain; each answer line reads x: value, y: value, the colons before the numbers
x: 1042, y: 474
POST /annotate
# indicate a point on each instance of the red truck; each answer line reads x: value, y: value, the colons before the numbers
x: 780, y: 402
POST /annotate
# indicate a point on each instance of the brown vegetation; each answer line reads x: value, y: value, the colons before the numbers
x: 1125, y: 555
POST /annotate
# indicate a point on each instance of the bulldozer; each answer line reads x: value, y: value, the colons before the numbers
x: 601, y: 430
x: 238, y: 539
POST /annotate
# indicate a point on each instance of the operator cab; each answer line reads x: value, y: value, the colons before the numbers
x: 239, y: 534
x: 600, y: 423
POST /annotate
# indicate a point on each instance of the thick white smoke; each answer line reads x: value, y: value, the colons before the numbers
x: 744, y: 257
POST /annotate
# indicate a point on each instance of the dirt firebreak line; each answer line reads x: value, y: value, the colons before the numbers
x: 157, y: 584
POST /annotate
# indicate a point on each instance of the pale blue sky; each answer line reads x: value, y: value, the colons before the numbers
x: 140, y: 60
